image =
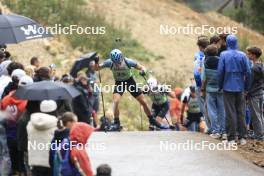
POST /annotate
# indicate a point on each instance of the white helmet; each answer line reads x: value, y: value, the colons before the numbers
x: 25, y: 81
x: 19, y: 73
x: 152, y: 83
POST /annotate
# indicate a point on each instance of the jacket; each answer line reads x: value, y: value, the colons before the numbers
x: 59, y: 135
x: 40, y: 130
x: 14, y: 108
x: 233, y: 68
x: 79, y: 135
x: 257, y: 80
x: 209, y: 74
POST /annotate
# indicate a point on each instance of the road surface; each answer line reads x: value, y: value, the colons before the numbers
x: 167, y: 154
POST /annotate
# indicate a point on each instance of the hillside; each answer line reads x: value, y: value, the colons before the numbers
x: 143, y: 19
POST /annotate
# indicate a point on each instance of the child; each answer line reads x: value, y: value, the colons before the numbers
x: 255, y: 94
x: 65, y: 122
x: 214, y: 97
x: 159, y: 97
x: 194, y: 113
x: 79, y: 135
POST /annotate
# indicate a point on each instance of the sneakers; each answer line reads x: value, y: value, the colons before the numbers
x: 242, y: 141
x: 215, y: 135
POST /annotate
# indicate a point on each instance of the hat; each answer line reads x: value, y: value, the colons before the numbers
x: 25, y: 81
x: 19, y: 73
x: 48, y: 106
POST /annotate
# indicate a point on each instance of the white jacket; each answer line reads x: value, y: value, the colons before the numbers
x: 40, y: 131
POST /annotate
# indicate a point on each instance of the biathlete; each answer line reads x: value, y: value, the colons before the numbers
x: 160, y: 103
x: 121, y: 68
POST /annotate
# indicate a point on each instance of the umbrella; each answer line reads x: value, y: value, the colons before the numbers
x: 82, y: 62
x: 16, y: 28
x: 47, y: 90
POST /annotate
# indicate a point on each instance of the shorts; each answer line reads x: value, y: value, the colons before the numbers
x: 130, y: 85
x: 160, y: 110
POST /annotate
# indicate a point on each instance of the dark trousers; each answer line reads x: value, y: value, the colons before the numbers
x: 235, y: 115
x: 40, y: 171
x: 256, y: 110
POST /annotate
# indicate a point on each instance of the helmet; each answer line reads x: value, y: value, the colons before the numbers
x: 116, y: 56
x: 25, y: 81
x: 152, y: 83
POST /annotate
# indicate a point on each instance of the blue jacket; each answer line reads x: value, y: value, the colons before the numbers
x: 233, y: 68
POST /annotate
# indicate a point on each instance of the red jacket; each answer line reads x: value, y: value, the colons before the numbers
x: 79, y: 134
x: 13, y: 106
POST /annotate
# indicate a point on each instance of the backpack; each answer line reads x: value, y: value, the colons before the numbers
x: 62, y: 163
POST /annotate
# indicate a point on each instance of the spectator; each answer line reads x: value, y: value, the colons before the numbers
x: 53, y: 76
x: 6, y: 79
x: 233, y: 76
x: 5, y: 162
x: 81, y: 105
x: 94, y: 98
x: 42, y: 74
x: 103, y: 170
x: 194, y: 113
x: 22, y: 137
x: 222, y: 43
x: 79, y: 135
x: 214, y: 97
x: 255, y: 94
x: 34, y: 62
x: 14, y: 108
x: 40, y: 130
x: 175, y: 106
x: 202, y: 43
x: 215, y: 40
x: 61, y: 135
x: 13, y: 85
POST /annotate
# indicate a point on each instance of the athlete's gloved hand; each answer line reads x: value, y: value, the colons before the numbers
x: 142, y: 73
x: 96, y: 59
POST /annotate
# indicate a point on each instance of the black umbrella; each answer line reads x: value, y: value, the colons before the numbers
x: 82, y: 62
x: 17, y: 28
x: 47, y: 90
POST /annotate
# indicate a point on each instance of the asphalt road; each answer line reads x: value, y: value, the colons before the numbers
x: 167, y: 154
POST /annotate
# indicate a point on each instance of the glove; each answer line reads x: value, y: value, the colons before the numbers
x: 96, y: 59
x: 142, y: 73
